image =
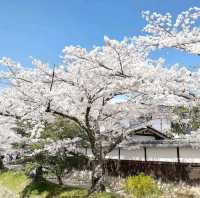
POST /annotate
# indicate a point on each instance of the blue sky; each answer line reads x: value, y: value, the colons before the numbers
x: 41, y: 28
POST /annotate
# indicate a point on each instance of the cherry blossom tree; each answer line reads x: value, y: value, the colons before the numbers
x: 83, y: 89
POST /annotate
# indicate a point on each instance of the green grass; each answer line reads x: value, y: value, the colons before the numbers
x: 104, y: 195
x: 14, y: 181
x: 19, y: 184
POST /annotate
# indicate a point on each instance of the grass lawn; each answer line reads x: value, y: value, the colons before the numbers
x: 20, y: 185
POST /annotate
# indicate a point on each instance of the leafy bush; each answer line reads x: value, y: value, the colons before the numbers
x: 142, y: 186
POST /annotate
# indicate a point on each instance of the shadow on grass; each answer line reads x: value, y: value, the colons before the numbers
x: 46, y: 189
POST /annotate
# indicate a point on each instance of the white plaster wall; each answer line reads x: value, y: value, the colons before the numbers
x: 189, y: 155
x: 81, y: 150
x: 89, y: 153
x: 113, y: 154
x: 162, y: 154
x: 137, y: 154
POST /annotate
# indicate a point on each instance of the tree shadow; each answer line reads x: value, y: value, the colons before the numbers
x: 50, y: 190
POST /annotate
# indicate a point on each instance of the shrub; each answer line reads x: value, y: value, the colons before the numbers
x: 142, y: 186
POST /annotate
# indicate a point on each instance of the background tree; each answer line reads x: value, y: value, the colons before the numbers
x: 58, y: 162
x: 185, y: 119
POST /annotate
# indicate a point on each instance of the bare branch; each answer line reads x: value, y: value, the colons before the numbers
x: 51, y: 86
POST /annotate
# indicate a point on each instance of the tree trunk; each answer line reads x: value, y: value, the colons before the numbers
x: 59, y: 179
x: 98, y: 177
x: 38, y: 174
x: 1, y: 163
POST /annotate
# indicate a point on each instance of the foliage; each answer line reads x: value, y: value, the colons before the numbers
x: 57, y: 162
x: 58, y: 129
x: 58, y: 165
x: 187, y: 119
x: 62, y: 128
x: 23, y: 127
x: 141, y: 186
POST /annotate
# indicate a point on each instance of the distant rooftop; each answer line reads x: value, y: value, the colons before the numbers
x: 162, y: 143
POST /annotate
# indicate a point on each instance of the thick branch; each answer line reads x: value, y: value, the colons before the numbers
x: 9, y: 115
x: 116, y: 142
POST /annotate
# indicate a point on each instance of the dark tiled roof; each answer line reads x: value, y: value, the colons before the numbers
x: 151, y: 131
x: 163, y: 143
